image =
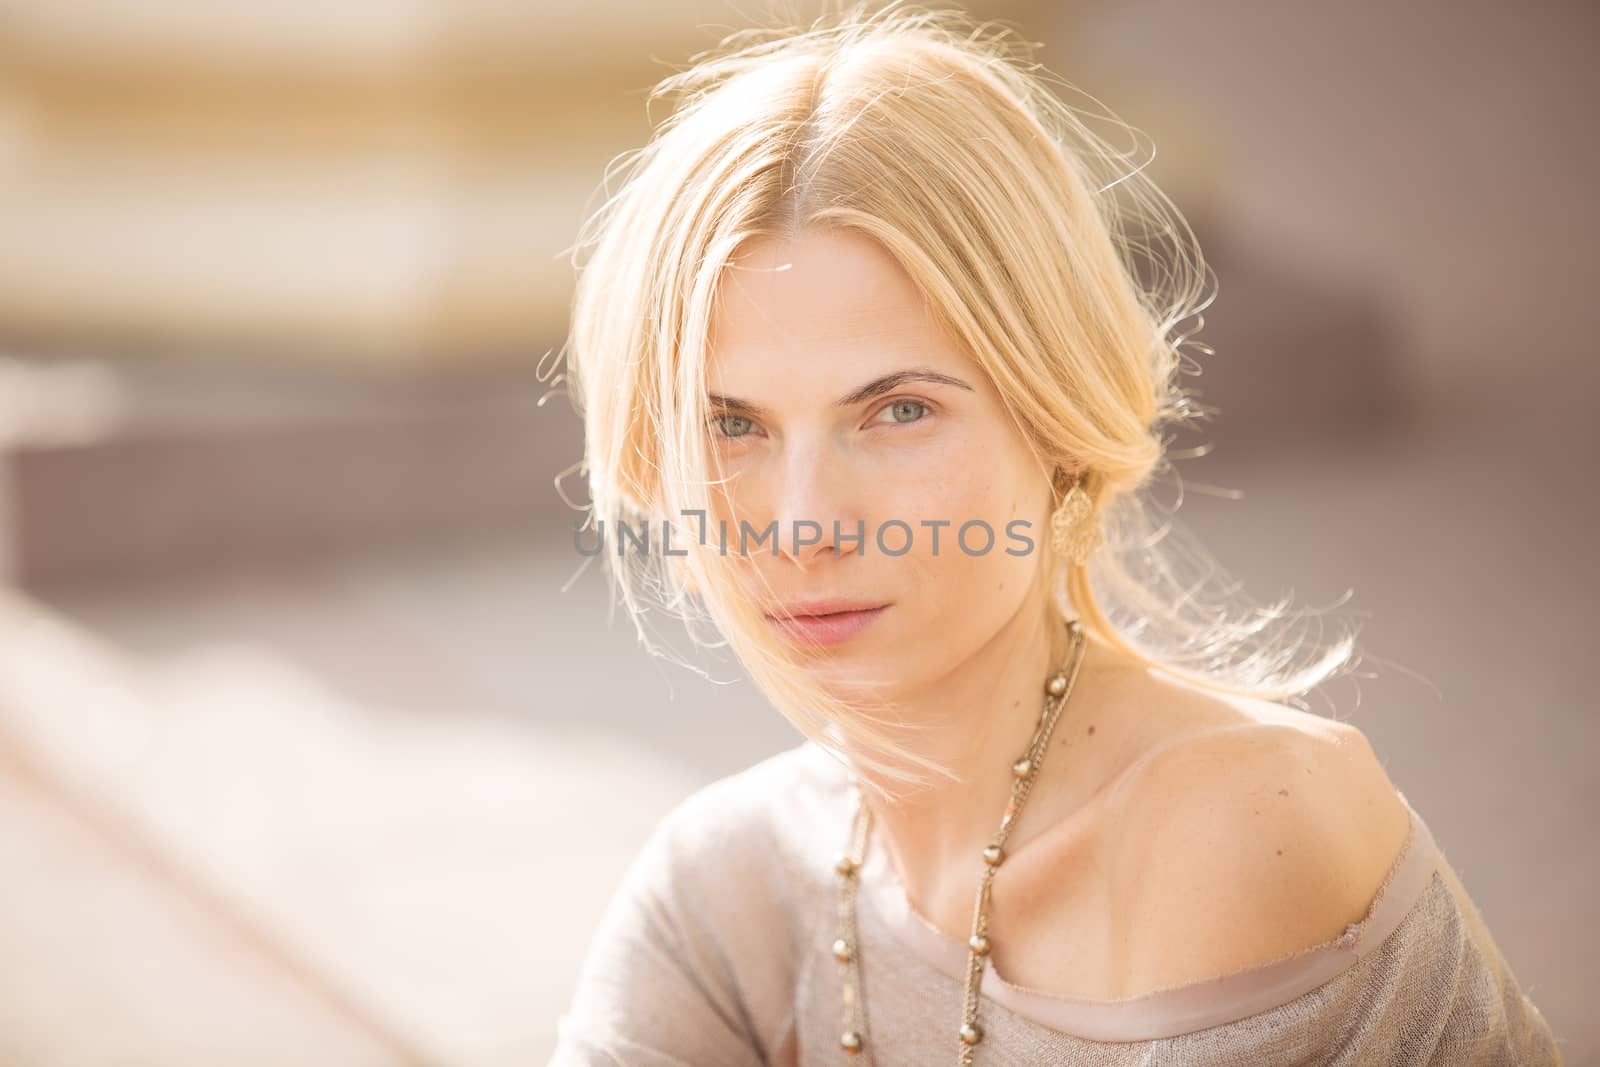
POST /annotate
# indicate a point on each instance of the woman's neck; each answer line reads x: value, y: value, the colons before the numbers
x: 977, y: 720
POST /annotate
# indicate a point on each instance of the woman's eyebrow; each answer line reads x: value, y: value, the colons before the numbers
x: 887, y: 383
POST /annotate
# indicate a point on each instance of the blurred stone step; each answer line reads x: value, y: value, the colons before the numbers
x: 140, y: 466
x: 206, y: 843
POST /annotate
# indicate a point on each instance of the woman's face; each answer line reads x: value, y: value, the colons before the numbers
x: 834, y: 397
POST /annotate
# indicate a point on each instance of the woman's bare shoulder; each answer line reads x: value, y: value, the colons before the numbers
x: 1255, y: 832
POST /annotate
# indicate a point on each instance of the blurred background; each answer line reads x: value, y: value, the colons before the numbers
x: 317, y: 744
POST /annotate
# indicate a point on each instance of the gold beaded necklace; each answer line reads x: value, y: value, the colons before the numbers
x: 846, y: 949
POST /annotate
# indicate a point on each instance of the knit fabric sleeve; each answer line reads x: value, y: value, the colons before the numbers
x: 653, y: 991
x: 1487, y: 1017
x: 691, y: 963
x: 1436, y: 992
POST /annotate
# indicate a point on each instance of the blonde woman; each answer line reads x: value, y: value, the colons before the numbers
x: 876, y: 346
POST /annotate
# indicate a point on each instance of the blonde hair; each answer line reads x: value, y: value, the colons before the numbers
x: 1048, y: 254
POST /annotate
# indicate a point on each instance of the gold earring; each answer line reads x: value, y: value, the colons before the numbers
x: 1074, y: 527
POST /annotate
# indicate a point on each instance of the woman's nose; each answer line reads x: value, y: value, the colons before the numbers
x: 811, y: 506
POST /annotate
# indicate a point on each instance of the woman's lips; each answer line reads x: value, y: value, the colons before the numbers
x: 833, y: 629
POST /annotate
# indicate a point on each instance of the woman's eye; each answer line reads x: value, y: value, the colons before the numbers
x: 732, y: 425
x: 903, y: 411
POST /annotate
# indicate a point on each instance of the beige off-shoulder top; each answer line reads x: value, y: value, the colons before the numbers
x: 716, y: 950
